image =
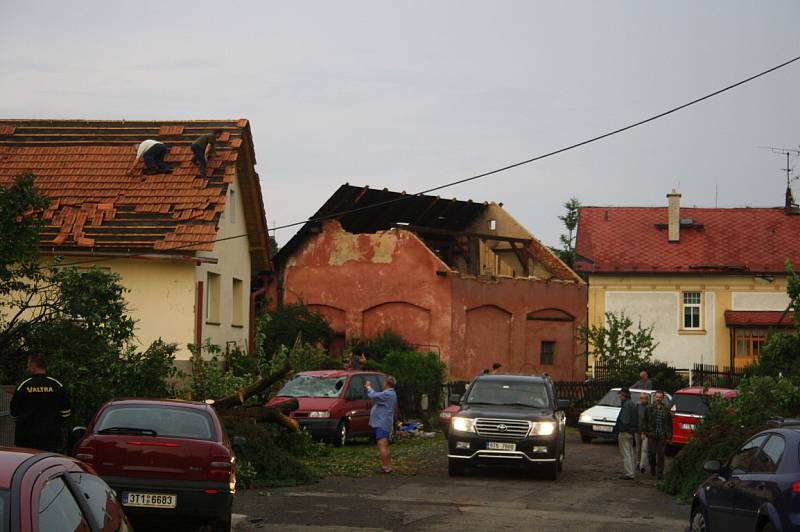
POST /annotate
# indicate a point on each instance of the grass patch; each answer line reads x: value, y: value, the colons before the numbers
x: 410, y: 456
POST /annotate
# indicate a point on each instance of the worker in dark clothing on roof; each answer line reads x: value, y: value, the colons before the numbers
x: 153, y: 153
x: 40, y: 404
x: 202, y: 147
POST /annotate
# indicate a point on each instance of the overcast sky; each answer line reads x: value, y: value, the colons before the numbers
x: 408, y: 95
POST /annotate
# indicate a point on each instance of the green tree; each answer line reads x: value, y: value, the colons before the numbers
x: 281, y: 327
x: 619, y: 345
x: 567, y: 240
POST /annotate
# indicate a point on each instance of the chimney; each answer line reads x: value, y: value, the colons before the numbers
x: 674, y: 211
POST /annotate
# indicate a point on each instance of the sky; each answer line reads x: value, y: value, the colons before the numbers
x: 410, y: 95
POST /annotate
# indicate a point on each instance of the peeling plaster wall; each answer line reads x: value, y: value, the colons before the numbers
x: 490, y: 324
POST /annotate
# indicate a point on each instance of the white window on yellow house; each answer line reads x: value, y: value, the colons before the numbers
x: 691, y: 310
x: 238, y: 300
x: 749, y: 342
x: 212, y: 297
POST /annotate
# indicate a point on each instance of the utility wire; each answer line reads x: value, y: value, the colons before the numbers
x: 489, y: 173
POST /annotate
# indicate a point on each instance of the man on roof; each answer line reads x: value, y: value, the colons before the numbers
x: 201, y: 148
x: 153, y: 153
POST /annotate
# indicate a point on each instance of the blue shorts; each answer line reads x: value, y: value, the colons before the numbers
x: 381, y: 434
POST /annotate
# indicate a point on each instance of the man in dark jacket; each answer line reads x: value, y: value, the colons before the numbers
x: 657, y: 425
x: 627, y: 426
x: 202, y: 147
x: 40, y: 404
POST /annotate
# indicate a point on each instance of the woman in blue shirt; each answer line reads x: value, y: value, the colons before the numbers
x: 381, y: 418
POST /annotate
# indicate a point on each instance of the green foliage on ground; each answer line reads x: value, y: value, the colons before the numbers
x: 727, y: 426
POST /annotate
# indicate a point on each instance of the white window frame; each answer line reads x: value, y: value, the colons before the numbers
x: 213, y: 296
x: 692, y: 305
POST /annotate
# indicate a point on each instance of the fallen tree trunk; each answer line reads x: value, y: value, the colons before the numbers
x: 277, y: 413
x: 245, y: 393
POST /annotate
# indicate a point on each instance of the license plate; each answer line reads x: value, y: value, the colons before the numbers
x: 602, y: 428
x: 687, y: 426
x: 499, y: 446
x: 149, y: 500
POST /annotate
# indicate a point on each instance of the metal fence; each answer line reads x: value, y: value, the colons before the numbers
x: 716, y: 376
x: 6, y: 421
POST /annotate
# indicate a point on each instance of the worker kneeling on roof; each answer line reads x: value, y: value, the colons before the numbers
x: 202, y: 147
x: 153, y: 153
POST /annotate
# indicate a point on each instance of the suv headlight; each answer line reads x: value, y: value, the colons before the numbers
x: 585, y: 418
x: 463, y: 424
x: 542, y: 428
x: 319, y: 413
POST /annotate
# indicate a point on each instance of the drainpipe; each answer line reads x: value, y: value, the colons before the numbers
x: 198, y: 319
x: 254, y: 296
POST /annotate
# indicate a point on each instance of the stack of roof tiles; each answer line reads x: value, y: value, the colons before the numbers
x: 82, y: 167
x: 635, y: 240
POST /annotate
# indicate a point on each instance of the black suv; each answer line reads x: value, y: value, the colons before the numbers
x: 508, y: 419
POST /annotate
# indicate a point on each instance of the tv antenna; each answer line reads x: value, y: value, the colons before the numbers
x: 787, y: 152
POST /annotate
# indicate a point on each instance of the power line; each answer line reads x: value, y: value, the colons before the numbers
x: 489, y: 173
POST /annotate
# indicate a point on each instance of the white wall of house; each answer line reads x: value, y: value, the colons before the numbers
x: 226, y: 316
x: 663, y: 311
x: 759, y: 301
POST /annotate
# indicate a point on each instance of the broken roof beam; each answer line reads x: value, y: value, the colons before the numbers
x: 483, y: 236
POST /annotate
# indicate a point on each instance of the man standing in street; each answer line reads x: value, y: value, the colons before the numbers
x: 641, y: 439
x: 644, y: 382
x: 202, y: 147
x: 40, y: 404
x: 381, y: 419
x: 627, y: 425
x: 658, y: 428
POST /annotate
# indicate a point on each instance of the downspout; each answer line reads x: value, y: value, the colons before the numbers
x: 251, y: 341
x: 198, y: 320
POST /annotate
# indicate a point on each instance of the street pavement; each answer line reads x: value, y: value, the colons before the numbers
x: 589, y: 496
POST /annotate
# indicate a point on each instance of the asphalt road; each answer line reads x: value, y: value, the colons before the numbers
x: 589, y: 496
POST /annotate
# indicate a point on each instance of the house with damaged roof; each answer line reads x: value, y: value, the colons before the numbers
x: 461, y: 279
x: 711, y: 282
x: 185, y: 247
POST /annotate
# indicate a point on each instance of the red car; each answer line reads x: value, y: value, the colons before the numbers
x: 45, y: 492
x: 164, y: 458
x: 689, y: 405
x: 333, y: 403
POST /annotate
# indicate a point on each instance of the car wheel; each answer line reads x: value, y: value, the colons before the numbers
x: 561, y: 461
x: 342, y: 434
x: 551, y: 471
x: 697, y: 523
x: 456, y: 467
x: 223, y: 525
x: 671, y: 450
x: 769, y: 527
x: 585, y: 438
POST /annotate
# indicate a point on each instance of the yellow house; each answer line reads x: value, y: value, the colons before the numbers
x: 186, y: 246
x: 711, y: 282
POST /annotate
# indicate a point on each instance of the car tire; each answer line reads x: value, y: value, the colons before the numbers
x: 342, y: 434
x: 671, y: 450
x: 222, y: 525
x: 585, y: 438
x: 768, y: 527
x: 456, y: 467
x: 697, y: 521
x: 551, y: 471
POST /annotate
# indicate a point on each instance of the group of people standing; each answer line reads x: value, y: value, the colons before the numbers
x: 643, y: 430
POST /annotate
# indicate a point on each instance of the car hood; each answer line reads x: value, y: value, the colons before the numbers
x: 505, y: 412
x: 307, y: 403
x: 602, y: 413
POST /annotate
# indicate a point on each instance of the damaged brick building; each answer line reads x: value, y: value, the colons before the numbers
x: 461, y: 279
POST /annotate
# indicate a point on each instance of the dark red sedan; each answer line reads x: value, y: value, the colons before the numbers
x: 46, y: 492
x: 166, y: 459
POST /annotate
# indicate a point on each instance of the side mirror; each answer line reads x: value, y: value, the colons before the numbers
x: 563, y: 404
x: 712, y: 466
x: 454, y: 399
x: 238, y: 443
x: 78, y: 432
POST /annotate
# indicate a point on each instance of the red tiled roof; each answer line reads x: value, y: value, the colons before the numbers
x: 634, y: 240
x: 758, y: 318
x: 82, y: 167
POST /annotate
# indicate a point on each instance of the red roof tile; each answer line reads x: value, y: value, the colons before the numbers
x: 758, y: 318
x: 634, y: 240
x: 82, y: 166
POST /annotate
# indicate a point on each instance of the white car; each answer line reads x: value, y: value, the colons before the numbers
x: 599, y: 420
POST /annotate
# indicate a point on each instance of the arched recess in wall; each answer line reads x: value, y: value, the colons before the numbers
x: 410, y: 321
x: 336, y: 319
x: 550, y: 314
x: 488, y: 338
x: 550, y: 344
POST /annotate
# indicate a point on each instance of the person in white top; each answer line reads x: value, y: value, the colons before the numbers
x: 153, y: 153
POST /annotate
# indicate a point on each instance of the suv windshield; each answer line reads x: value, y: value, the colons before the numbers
x: 691, y: 404
x: 156, y: 420
x: 312, y: 386
x: 504, y: 392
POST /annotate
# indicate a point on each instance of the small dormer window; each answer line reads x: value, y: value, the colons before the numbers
x: 492, y: 225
